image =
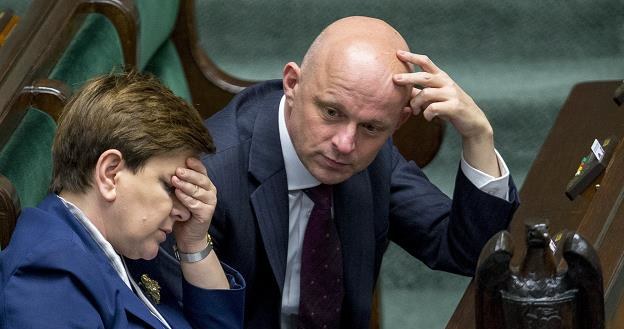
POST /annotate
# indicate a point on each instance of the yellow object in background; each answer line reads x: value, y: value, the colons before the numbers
x: 8, y: 21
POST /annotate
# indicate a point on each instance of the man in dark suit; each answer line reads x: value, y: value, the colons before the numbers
x: 329, y: 122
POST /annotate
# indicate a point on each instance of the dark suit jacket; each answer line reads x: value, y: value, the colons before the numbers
x: 55, y: 276
x: 391, y: 200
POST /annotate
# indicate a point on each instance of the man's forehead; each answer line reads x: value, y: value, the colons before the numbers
x: 377, y: 87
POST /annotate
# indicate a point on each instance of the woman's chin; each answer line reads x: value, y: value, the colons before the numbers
x: 150, y: 254
x: 146, y: 253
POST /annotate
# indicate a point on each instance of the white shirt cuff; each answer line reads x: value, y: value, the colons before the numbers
x: 496, y: 186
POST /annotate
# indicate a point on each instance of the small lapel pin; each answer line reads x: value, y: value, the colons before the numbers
x: 151, y: 288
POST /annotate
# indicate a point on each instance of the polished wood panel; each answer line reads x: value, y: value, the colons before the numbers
x: 597, y: 214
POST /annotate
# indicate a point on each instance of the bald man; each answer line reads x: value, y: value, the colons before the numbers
x: 329, y: 122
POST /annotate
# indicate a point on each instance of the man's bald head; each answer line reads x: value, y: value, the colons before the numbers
x: 342, y: 104
x: 357, y: 38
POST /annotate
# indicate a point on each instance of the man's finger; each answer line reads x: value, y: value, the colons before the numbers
x: 415, y: 111
x: 428, y: 96
x: 443, y: 110
x: 424, y: 79
x: 422, y: 61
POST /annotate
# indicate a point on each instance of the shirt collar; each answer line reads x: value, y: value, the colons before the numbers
x: 297, y: 176
x: 103, y: 244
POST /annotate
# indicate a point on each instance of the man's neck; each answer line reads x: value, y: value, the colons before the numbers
x: 297, y: 175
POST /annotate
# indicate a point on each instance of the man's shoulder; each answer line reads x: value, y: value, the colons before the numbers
x: 248, y: 103
x: 235, y: 122
x: 386, y: 157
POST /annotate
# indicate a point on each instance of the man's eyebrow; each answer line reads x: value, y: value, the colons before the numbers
x: 337, y: 106
x: 325, y: 103
x: 379, y: 123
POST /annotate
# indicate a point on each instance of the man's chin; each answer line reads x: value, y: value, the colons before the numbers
x: 331, y: 177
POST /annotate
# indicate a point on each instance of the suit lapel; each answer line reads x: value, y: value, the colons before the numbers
x: 135, y: 306
x: 353, y: 207
x: 270, y: 199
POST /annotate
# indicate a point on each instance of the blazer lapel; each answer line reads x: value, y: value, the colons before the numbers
x: 135, y: 306
x: 353, y: 207
x: 270, y: 199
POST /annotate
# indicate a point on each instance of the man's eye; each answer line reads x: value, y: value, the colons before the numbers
x: 331, y: 112
x: 371, y: 128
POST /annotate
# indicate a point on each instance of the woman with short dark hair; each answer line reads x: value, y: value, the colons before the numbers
x: 125, y: 175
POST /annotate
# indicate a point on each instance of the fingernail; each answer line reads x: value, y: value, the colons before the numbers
x: 398, y: 77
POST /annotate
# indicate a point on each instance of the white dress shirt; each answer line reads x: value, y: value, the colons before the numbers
x: 300, y: 207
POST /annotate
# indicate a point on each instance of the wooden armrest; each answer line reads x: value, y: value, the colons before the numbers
x: 9, y: 210
x: 211, y: 88
x: 48, y: 95
x: 125, y: 17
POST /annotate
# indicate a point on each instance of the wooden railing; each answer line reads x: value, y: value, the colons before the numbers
x: 597, y: 214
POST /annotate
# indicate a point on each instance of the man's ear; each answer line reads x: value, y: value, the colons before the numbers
x: 290, y: 81
x: 406, y: 112
x: 107, y: 169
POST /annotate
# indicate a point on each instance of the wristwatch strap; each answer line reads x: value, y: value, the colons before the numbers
x: 195, y: 256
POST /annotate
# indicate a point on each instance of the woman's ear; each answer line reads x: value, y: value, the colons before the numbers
x: 107, y: 169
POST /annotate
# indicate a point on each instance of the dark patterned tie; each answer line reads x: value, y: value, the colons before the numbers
x: 321, y: 286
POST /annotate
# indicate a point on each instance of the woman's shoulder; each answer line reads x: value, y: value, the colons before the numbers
x: 44, y: 240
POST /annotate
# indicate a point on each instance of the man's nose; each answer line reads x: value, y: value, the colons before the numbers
x: 179, y: 212
x: 344, y: 139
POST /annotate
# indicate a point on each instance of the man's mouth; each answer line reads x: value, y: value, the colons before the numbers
x: 334, y: 164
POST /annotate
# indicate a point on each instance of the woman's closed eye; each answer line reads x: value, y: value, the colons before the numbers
x: 170, y: 189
